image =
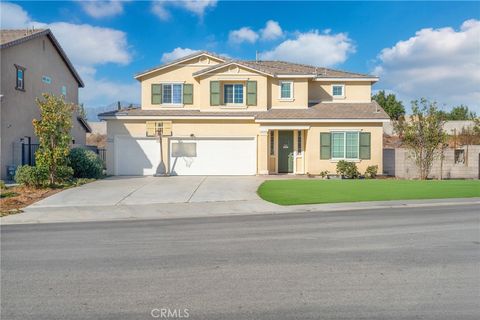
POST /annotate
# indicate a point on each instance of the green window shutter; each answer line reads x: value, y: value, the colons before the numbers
x: 325, y: 145
x: 188, y: 93
x: 156, y: 93
x: 214, y: 93
x: 365, y: 145
x: 251, y: 93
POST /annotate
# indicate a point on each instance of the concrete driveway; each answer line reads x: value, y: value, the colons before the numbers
x: 117, y: 191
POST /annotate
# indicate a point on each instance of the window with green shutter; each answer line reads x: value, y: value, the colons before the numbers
x: 251, y: 93
x: 324, y: 145
x: 156, y: 93
x: 365, y: 145
x: 214, y: 93
x: 188, y: 93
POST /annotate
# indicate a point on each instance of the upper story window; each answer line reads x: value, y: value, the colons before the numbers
x: 338, y: 91
x: 286, y: 90
x: 233, y: 93
x: 177, y: 94
x: 172, y: 93
x: 20, y: 78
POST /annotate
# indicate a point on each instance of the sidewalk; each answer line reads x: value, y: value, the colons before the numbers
x: 204, y: 209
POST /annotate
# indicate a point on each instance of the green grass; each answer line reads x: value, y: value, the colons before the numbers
x: 291, y: 192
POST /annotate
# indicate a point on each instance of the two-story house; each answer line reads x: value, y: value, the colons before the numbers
x: 207, y: 115
x: 32, y: 63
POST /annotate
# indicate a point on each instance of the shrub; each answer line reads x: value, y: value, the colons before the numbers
x: 85, y: 163
x: 371, y: 172
x: 64, y: 174
x: 347, y: 169
x: 31, y: 176
x: 2, y: 185
x: 324, y: 174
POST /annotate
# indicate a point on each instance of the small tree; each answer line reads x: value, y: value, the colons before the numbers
x: 390, y: 104
x: 460, y: 112
x: 423, y: 135
x: 53, y: 132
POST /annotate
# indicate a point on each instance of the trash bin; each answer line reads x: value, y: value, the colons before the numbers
x: 11, y: 172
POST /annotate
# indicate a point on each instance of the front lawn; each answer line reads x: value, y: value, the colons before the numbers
x: 291, y: 192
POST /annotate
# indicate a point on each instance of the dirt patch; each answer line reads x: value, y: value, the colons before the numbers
x: 21, y: 197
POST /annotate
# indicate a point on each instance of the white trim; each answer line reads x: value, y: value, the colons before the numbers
x: 343, y: 91
x: 319, y: 120
x: 176, y: 63
x: 292, y: 97
x: 346, y: 79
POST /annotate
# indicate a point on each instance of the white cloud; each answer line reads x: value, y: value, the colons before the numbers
x: 314, y: 48
x: 176, y: 53
x: 439, y: 64
x: 102, y: 9
x: 271, y: 31
x: 13, y: 16
x: 99, y: 91
x: 159, y: 9
x: 197, y: 7
x: 87, y: 47
x: 90, y: 45
x: 244, y: 34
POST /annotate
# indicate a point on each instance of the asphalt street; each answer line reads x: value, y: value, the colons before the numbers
x: 412, y: 263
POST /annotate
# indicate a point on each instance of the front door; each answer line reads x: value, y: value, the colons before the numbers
x: 285, y: 151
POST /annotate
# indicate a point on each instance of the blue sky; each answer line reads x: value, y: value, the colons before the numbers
x: 429, y: 49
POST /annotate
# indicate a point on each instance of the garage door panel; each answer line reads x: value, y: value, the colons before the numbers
x: 214, y: 157
x: 136, y: 156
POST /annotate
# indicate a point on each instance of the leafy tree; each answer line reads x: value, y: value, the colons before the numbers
x: 460, y: 112
x: 423, y: 135
x: 390, y: 104
x: 53, y: 132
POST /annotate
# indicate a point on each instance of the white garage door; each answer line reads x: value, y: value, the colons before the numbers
x: 136, y: 156
x: 213, y: 156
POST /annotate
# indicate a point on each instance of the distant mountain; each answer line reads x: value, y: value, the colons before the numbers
x: 92, y: 112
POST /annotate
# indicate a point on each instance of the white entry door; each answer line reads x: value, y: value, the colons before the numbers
x: 136, y: 156
x: 215, y: 156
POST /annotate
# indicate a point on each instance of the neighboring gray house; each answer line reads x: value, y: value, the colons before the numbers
x: 32, y: 63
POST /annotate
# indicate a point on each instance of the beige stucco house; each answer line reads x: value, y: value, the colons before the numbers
x: 32, y: 63
x: 208, y: 115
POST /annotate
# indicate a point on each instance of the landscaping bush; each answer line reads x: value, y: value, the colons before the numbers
x: 31, y: 176
x: 2, y: 185
x: 85, y: 163
x: 371, y: 172
x: 64, y: 174
x: 324, y: 174
x: 347, y: 169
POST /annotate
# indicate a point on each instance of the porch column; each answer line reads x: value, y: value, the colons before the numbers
x: 262, y: 152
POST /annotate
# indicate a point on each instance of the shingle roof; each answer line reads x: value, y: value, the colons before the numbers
x: 184, y: 58
x: 319, y: 111
x: 369, y: 110
x: 276, y: 68
x: 12, y: 37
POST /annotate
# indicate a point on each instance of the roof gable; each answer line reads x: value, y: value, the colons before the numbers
x: 10, y: 38
x: 198, y: 54
x: 238, y: 63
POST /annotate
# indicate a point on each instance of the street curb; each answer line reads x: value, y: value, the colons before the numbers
x: 212, y: 209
